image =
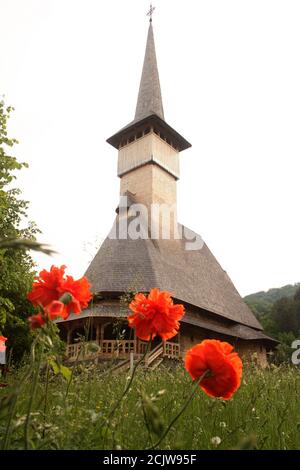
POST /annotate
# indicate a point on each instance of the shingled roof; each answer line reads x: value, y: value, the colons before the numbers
x: 234, y: 330
x: 194, y: 277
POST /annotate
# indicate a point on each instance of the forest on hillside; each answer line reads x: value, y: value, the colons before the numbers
x: 278, y: 310
x: 263, y: 301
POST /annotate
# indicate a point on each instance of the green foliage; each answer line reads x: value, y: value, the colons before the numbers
x: 278, y: 311
x: 19, y: 244
x: 60, y: 369
x: 284, y: 350
x: 286, y: 315
x: 262, y: 302
x: 264, y: 413
x: 6, y: 307
x: 152, y: 415
x: 16, y: 266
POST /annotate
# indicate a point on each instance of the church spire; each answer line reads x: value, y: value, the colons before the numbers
x: 149, y: 98
x: 149, y: 114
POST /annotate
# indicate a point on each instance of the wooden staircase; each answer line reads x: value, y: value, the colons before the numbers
x: 152, y: 360
x: 155, y: 357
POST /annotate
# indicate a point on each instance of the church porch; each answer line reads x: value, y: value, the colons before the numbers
x: 106, y: 339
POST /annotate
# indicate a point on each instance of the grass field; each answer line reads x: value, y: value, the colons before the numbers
x: 263, y: 414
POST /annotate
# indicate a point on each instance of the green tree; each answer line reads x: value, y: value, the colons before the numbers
x: 286, y: 314
x: 284, y: 350
x: 297, y: 295
x: 16, y: 265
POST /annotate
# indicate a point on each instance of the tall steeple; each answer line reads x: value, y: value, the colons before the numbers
x: 149, y: 110
x: 148, y: 161
x: 149, y: 99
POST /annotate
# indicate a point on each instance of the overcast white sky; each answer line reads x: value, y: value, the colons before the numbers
x: 230, y: 75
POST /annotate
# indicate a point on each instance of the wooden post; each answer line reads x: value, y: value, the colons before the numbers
x: 131, y: 362
x: 98, y: 332
x: 179, y: 338
x: 69, y: 335
x: 135, y: 343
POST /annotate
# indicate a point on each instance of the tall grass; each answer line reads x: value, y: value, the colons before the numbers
x: 263, y: 414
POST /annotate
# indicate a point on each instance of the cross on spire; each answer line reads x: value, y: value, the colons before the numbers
x: 150, y: 12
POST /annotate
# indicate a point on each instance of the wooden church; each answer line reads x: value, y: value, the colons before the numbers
x: 148, y: 168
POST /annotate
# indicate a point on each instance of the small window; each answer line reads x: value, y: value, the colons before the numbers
x: 147, y: 131
x: 168, y: 141
x: 156, y: 131
x: 139, y: 135
x: 131, y: 139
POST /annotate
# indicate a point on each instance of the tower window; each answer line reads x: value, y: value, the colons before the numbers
x: 147, y: 131
x: 139, y: 135
x: 131, y: 139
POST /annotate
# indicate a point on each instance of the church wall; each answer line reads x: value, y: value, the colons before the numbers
x: 190, y: 336
x: 139, y: 183
x: 163, y: 187
x: 146, y: 149
x: 150, y: 184
x: 253, y: 351
x: 134, y: 154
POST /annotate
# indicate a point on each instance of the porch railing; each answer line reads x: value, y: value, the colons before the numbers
x: 73, y: 350
x: 121, y: 349
x: 171, y: 350
x: 115, y: 348
x: 107, y: 348
x: 142, y: 347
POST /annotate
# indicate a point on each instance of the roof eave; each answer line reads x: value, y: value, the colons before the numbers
x: 187, y: 305
x: 179, y: 140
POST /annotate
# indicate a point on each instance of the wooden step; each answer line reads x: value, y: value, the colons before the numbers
x: 156, y: 364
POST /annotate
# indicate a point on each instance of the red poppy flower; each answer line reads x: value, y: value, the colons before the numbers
x: 51, y: 286
x: 46, y: 287
x: 2, y: 343
x: 224, y: 366
x: 36, y: 321
x: 55, y: 310
x: 154, y: 315
x: 80, y: 292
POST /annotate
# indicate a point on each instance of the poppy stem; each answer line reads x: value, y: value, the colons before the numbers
x: 185, y: 405
x: 46, y: 399
x: 30, y: 405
